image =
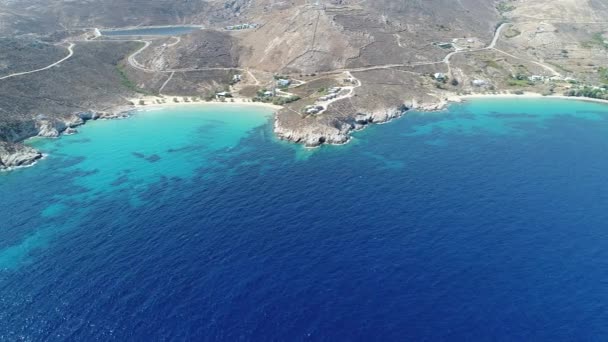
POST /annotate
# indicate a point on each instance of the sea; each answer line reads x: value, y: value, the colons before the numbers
x: 484, y: 222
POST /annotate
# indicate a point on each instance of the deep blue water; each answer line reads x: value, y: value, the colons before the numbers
x: 484, y: 222
x: 151, y: 31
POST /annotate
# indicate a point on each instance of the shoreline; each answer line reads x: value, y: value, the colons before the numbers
x: 151, y: 103
x: 124, y: 111
x: 526, y: 95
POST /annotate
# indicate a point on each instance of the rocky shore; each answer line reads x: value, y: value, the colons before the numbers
x: 17, y: 155
x: 313, y: 133
x: 13, y: 154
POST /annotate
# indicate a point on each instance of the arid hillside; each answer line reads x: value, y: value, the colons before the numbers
x: 334, y: 65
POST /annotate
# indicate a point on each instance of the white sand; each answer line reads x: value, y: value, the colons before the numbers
x: 460, y: 98
x: 150, y: 102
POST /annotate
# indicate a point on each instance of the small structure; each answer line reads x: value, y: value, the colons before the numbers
x: 479, y: 83
x: 439, y: 76
x: 237, y: 78
x: 283, y: 82
x: 268, y: 93
x: 334, y: 90
x: 444, y: 45
x: 241, y: 27
x: 223, y: 94
x: 328, y: 97
x: 313, y: 109
x: 536, y: 78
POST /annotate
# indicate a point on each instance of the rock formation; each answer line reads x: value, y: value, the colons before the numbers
x: 17, y: 155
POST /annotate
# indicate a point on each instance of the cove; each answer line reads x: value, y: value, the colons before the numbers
x: 484, y: 220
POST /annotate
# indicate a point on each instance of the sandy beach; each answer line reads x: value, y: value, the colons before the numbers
x: 151, y: 102
x: 528, y: 95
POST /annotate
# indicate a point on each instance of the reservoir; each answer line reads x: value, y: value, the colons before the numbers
x: 151, y: 31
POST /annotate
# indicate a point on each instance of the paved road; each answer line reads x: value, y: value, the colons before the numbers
x: 132, y: 59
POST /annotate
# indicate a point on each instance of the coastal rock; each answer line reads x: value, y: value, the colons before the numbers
x: 88, y: 115
x: 13, y: 154
x: 74, y: 120
x: 113, y: 115
x: 17, y: 155
x: 70, y: 131
x: 313, y: 133
x: 51, y: 128
x: 380, y: 116
x: 430, y: 107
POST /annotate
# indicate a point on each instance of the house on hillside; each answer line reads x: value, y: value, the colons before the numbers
x: 223, y: 95
x: 536, y: 78
x: 479, y: 83
x: 439, y: 76
x: 283, y: 82
x: 313, y: 109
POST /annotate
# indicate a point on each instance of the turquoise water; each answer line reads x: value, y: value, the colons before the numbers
x: 483, y: 222
x: 128, y: 156
x: 151, y: 31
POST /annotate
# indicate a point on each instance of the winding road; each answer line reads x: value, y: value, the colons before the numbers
x: 70, y: 54
x: 135, y: 64
x: 492, y: 46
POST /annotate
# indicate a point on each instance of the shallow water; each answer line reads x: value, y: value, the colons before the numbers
x: 487, y: 220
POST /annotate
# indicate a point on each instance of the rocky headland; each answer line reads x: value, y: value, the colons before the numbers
x: 17, y: 155
x: 14, y: 154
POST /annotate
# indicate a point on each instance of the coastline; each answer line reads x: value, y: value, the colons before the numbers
x: 152, y: 104
x: 526, y: 95
x: 24, y: 166
x: 58, y: 128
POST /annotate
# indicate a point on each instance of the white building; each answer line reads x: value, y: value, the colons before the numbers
x: 313, y: 109
x: 283, y: 82
x: 536, y: 78
x: 439, y: 76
